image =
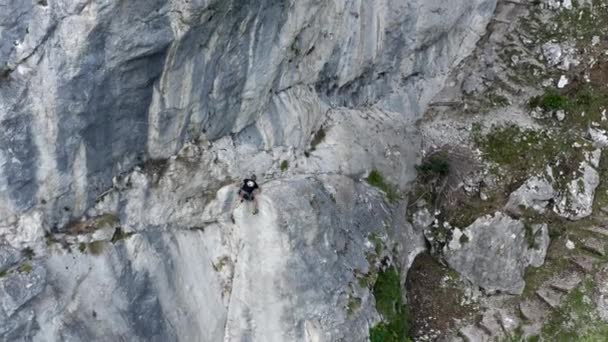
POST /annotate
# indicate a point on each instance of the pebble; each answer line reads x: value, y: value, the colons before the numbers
x: 562, y: 82
x: 570, y: 245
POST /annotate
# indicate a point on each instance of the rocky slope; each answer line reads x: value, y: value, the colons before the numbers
x: 522, y: 126
x: 124, y: 126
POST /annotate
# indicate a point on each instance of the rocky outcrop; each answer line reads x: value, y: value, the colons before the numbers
x: 493, y: 243
x: 91, y: 89
x: 276, y: 275
x: 123, y: 127
x: 577, y: 200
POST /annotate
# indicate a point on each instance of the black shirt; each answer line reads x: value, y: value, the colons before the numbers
x: 249, y: 189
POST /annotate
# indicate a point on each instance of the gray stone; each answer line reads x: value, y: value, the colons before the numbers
x: 497, y: 242
x: 598, y: 136
x: 552, y: 53
x: 19, y: 287
x: 153, y: 75
x: 576, y: 202
x: 534, y: 194
x: 471, y: 333
x: 601, y: 293
x: 566, y: 282
x: 585, y: 262
x: 598, y: 230
x: 533, y: 309
x: 8, y: 257
x: 550, y: 296
x: 595, y: 246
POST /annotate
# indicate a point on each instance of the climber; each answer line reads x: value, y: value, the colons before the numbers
x: 248, y: 191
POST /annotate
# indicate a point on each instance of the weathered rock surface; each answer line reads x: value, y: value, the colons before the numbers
x: 536, y: 194
x: 576, y: 202
x: 93, y: 88
x: 141, y: 116
x: 495, y: 243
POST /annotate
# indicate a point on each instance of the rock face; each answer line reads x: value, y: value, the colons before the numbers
x: 92, y: 89
x: 123, y: 126
x: 497, y: 243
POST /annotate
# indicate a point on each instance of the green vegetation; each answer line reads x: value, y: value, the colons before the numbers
x: 583, y: 104
x: 377, y: 241
x: 376, y: 179
x: 575, y: 319
x: 524, y: 152
x: 389, y: 303
x: 119, y: 235
x: 225, y: 260
x: 105, y: 220
x: 50, y: 238
x: 365, y: 280
x: 496, y: 100
x: 437, y: 165
x: 551, y: 100
x: 3, y: 273
x: 95, y: 247
x: 82, y: 247
x: 580, y: 23
x: 284, y: 165
x: 354, y: 303
x: 25, y: 268
x: 601, y: 192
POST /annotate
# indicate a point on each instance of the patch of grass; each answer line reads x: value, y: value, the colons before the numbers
x: 601, y: 192
x: 96, y: 247
x: 82, y: 247
x: 497, y: 100
x: 225, y: 260
x: 25, y: 268
x: 354, y: 304
x: 530, y: 236
x: 583, y: 104
x: 50, y: 238
x: 3, y: 273
x: 551, y: 100
x: 105, y: 220
x: 525, y: 152
x: 389, y: 303
x: 575, y: 319
x: 377, y: 241
x: 376, y: 179
x: 284, y: 165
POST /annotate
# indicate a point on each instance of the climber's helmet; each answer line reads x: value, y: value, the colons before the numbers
x: 250, y: 184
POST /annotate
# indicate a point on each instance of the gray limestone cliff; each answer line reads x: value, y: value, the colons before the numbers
x: 124, y: 126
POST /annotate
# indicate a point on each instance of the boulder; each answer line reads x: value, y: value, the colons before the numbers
x: 498, y: 242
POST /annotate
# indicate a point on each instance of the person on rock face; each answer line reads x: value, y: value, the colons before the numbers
x: 248, y: 191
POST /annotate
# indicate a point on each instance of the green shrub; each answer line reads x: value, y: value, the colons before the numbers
x: 551, y: 100
x: 376, y: 179
x: 284, y: 165
x: 96, y: 247
x: 25, y: 268
x: 437, y: 165
x: 389, y: 303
